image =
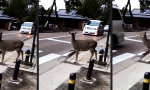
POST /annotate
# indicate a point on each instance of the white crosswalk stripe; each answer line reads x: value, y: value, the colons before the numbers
x: 124, y: 57
x: 48, y: 57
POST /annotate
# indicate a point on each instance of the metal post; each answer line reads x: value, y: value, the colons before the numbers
x: 146, y: 81
x: 16, y: 70
x: 0, y: 80
x: 72, y: 79
x: 90, y: 69
x: 27, y: 56
x: 106, y: 49
x: 33, y: 44
x: 101, y: 54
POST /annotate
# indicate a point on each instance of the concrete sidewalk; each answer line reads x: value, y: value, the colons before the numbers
x: 129, y: 76
x: 57, y: 75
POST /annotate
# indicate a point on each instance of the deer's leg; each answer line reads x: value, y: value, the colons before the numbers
x: 3, y: 54
x: 77, y: 53
x: 95, y: 54
x: 18, y: 54
x: 22, y: 54
x: 92, y: 52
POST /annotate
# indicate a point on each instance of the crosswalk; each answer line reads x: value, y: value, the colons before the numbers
x: 125, y: 56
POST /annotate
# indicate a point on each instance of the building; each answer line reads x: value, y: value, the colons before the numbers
x: 67, y: 20
x: 5, y: 21
x: 142, y: 19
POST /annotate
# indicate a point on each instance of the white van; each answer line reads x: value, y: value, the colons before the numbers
x: 27, y: 27
x: 93, y: 27
x: 117, y: 24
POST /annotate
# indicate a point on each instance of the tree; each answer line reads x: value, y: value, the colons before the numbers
x: 73, y: 5
x: 17, y: 8
x: 50, y: 12
x: 91, y: 9
x: 106, y: 11
x: 3, y: 4
x: 144, y: 4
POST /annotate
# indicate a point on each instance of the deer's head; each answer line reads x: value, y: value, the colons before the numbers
x: 143, y: 35
x: 72, y: 33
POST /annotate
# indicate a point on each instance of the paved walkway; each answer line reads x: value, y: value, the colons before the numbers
x: 129, y: 76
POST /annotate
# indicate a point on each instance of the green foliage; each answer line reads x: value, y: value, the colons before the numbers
x: 91, y: 9
x: 3, y: 4
x: 73, y: 5
x: 144, y: 4
x: 17, y: 8
x: 20, y: 9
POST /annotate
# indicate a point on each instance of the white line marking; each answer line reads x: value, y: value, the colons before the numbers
x: 132, y: 36
x: 114, y: 51
x: 133, y: 40
x: 58, y: 37
x: 64, y: 36
x: 122, y: 57
x: 48, y: 57
x: 10, y: 33
x: 140, y: 53
x: 66, y: 54
x: 59, y: 40
x: 40, y: 51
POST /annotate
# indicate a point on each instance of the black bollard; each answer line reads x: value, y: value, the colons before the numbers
x: 16, y: 70
x: 0, y: 80
x: 27, y: 56
x: 146, y: 81
x: 90, y: 69
x: 71, y: 84
x: 101, y: 54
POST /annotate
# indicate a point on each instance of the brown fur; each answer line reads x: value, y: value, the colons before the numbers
x: 83, y: 45
x: 11, y: 45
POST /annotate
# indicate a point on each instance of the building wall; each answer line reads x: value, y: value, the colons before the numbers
x: 4, y: 24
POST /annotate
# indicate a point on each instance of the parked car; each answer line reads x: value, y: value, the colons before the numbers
x: 117, y: 24
x: 106, y: 28
x: 27, y: 27
x: 93, y: 27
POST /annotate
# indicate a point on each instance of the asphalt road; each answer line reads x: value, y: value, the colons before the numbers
x: 59, y: 43
x: 14, y: 35
x: 131, y: 47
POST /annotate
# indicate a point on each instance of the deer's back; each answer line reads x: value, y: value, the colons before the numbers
x: 84, y: 45
x: 11, y: 45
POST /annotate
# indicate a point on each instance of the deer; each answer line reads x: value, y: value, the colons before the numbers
x: 145, y: 40
x: 11, y: 45
x: 83, y: 45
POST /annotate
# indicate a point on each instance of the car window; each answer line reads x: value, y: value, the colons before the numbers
x: 93, y: 23
x: 27, y: 24
x: 116, y: 14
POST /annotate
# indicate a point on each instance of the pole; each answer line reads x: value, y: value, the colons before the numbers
x: 72, y: 79
x: 16, y: 70
x: 27, y: 56
x: 0, y: 80
x: 90, y: 69
x: 146, y: 81
x: 33, y: 44
x: 101, y: 54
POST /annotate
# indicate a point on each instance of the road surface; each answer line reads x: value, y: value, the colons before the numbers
x: 54, y: 45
